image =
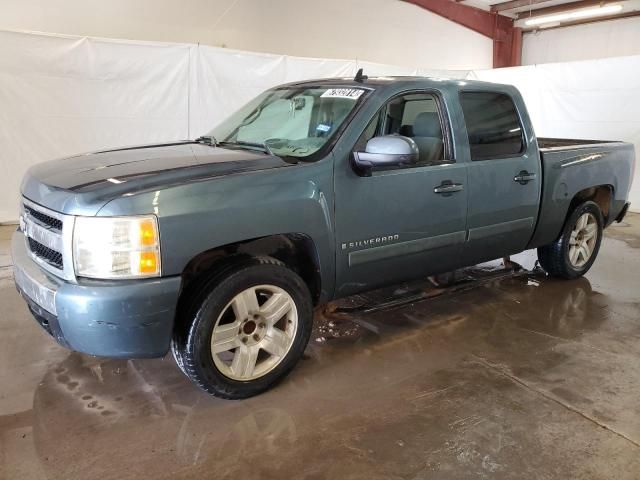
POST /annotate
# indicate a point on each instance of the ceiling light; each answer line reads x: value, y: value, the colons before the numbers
x: 574, y: 15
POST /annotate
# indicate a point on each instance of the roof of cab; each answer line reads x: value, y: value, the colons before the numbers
x: 387, y: 80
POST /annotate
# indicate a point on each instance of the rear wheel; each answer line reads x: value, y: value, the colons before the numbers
x: 245, y: 331
x: 572, y: 255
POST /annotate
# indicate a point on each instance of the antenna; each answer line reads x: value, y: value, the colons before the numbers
x: 360, y: 77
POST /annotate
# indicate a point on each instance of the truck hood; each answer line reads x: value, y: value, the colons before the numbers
x: 82, y: 184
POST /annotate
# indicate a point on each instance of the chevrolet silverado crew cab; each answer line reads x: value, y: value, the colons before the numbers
x: 219, y: 248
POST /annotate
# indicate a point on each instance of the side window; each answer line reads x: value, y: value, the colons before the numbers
x: 416, y: 116
x: 493, y: 125
x: 368, y: 134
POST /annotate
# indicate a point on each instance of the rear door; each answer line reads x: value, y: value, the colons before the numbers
x: 504, y: 175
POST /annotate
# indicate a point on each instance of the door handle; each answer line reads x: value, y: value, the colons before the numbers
x: 524, y: 177
x: 448, y: 187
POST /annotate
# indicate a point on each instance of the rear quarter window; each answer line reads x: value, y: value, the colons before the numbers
x: 493, y: 125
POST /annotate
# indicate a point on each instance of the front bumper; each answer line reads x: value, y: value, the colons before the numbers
x: 125, y: 319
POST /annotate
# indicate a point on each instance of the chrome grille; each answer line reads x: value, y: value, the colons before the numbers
x: 47, y: 254
x: 44, y: 219
x: 48, y: 236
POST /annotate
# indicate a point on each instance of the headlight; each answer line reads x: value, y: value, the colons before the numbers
x: 116, y: 247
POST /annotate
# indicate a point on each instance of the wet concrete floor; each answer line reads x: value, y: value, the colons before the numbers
x: 495, y: 374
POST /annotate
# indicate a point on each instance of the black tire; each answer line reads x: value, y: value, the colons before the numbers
x: 177, y: 356
x: 554, y: 258
x: 192, y: 339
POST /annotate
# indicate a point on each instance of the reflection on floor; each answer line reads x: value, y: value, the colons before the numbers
x: 487, y: 374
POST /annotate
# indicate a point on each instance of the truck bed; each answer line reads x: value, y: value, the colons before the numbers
x: 572, y: 166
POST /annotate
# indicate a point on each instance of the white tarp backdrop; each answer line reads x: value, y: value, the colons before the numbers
x: 63, y: 95
x: 591, y: 99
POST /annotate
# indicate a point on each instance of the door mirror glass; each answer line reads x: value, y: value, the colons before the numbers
x: 387, y: 151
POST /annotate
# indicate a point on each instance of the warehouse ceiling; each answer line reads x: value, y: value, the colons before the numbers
x: 557, y: 12
x: 504, y: 21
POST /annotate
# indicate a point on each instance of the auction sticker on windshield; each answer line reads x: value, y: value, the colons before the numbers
x: 353, y: 93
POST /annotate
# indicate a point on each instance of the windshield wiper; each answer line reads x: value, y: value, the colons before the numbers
x: 207, y: 140
x: 260, y: 146
x: 251, y: 145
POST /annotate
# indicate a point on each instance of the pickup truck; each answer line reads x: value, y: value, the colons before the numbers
x: 219, y: 248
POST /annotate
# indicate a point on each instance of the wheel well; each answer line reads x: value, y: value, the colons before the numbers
x: 297, y: 251
x: 602, y: 195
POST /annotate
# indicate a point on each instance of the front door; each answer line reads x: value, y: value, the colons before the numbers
x: 407, y: 222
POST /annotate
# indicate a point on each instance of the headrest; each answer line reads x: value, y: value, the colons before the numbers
x: 427, y: 124
x: 406, y: 130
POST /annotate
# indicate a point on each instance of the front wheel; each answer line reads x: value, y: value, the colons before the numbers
x: 245, y: 331
x: 572, y: 255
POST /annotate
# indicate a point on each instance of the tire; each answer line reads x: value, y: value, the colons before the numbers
x: 243, y: 331
x: 572, y: 255
x: 177, y: 356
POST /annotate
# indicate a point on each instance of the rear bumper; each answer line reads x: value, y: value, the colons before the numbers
x: 623, y: 212
x: 128, y: 319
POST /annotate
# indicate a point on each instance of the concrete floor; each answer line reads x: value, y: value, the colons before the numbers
x: 504, y: 376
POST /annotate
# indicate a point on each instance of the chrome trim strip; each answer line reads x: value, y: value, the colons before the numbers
x: 582, y: 160
x: 44, y: 210
x: 40, y: 294
x: 67, y: 248
x: 49, y: 238
x: 500, y: 228
x: 31, y: 281
x: 405, y: 248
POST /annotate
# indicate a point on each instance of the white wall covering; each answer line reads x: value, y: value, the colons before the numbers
x: 387, y: 31
x: 60, y: 96
x: 63, y: 95
x: 594, y: 99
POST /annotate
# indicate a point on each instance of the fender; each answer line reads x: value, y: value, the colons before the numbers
x: 202, y: 215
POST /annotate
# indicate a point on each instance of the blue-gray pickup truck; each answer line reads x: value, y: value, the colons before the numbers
x: 219, y: 248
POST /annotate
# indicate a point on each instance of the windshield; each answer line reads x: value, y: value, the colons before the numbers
x: 291, y: 121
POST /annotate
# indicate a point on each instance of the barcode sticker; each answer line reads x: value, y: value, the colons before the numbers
x: 353, y: 93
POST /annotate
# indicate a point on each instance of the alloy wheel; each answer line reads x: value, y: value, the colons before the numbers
x: 583, y: 239
x: 254, y: 332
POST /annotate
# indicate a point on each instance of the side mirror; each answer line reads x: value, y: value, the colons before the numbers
x: 385, y: 152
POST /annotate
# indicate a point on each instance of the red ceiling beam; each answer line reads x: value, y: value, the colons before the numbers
x: 507, y: 40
